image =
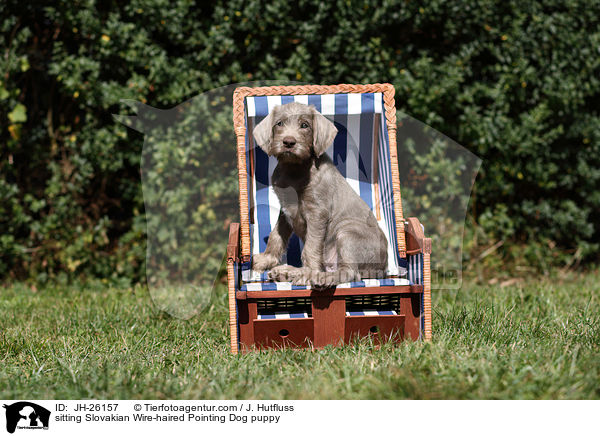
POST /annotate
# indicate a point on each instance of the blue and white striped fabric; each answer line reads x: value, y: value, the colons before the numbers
x: 301, y: 315
x: 282, y: 315
x: 371, y: 313
x: 415, y: 268
x: 287, y: 286
x: 360, y: 151
x: 415, y: 274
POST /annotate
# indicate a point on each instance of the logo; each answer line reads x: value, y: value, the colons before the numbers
x: 26, y: 415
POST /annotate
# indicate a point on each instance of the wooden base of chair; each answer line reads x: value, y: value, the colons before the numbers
x: 328, y: 323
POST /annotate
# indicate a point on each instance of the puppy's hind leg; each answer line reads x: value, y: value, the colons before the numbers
x: 360, y: 255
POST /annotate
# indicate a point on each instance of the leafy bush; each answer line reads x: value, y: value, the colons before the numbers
x: 516, y: 83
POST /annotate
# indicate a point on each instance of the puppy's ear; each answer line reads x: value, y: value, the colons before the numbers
x: 263, y: 133
x: 323, y: 132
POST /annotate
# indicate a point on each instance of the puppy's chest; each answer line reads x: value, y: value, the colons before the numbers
x: 292, y: 207
x: 290, y: 201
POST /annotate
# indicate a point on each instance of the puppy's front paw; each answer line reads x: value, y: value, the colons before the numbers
x: 324, y: 280
x: 315, y: 279
x: 283, y: 273
x: 264, y: 261
x: 301, y: 280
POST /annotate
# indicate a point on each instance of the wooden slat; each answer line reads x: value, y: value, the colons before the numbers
x: 248, y: 313
x: 403, y: 289
x: 233, y: 246
x: 415, y: 238
x: 267, y: 333
x: 388, y: 327
x: 329, y: 314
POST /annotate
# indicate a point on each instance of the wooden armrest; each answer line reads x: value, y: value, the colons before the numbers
x: 233, y: 246
x: 416, y: 242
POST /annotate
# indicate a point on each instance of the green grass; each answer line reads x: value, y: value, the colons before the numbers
x: 533, y: 340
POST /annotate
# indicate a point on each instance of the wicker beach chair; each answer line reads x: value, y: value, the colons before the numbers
x: 265, y: 314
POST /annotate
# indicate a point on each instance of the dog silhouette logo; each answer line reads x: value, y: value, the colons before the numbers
x: 26, y: 415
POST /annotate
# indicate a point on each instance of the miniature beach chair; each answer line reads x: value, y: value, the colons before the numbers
x: 264, y: 314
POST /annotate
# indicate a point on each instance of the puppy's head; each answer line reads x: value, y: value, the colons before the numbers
x: 293, y: 132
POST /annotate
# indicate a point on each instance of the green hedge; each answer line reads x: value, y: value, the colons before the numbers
x: 517, y: 83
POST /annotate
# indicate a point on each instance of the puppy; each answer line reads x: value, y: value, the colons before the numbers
x: 342, y: 241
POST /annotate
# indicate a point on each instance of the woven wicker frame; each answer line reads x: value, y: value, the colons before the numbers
x: 427, y: 293
x: 240, y: 130
x: 234, y: 339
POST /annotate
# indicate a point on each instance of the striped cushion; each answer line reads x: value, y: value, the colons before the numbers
x: 248, y: 275
x: 415, y: 269
x: 371, y: 313
x: 282, y: 315
x: 295, y: 315
x: 287, y: 286
x: 360, y: 152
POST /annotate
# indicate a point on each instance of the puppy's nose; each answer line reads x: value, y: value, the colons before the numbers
x: 289, y: 141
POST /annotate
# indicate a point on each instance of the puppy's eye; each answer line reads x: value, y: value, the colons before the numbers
x: 279, y: 123
x: 304, y: 126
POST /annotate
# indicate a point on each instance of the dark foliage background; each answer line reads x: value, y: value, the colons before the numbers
x: 517, y: 83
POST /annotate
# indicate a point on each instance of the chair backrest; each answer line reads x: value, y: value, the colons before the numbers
x: 364, y: 151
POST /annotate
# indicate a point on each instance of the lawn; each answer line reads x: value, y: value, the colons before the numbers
x: 536, y: 339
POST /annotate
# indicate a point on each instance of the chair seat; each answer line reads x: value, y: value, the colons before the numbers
x: 253, y: 281
x: 287, y: 286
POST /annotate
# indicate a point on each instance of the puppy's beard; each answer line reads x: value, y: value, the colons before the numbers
x: 289, y: 157
x: 294, y: 155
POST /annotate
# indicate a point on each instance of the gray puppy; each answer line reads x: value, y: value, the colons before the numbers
x: 342, y: 241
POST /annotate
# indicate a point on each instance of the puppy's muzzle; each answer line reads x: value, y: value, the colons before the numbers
x: 289, y: 141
